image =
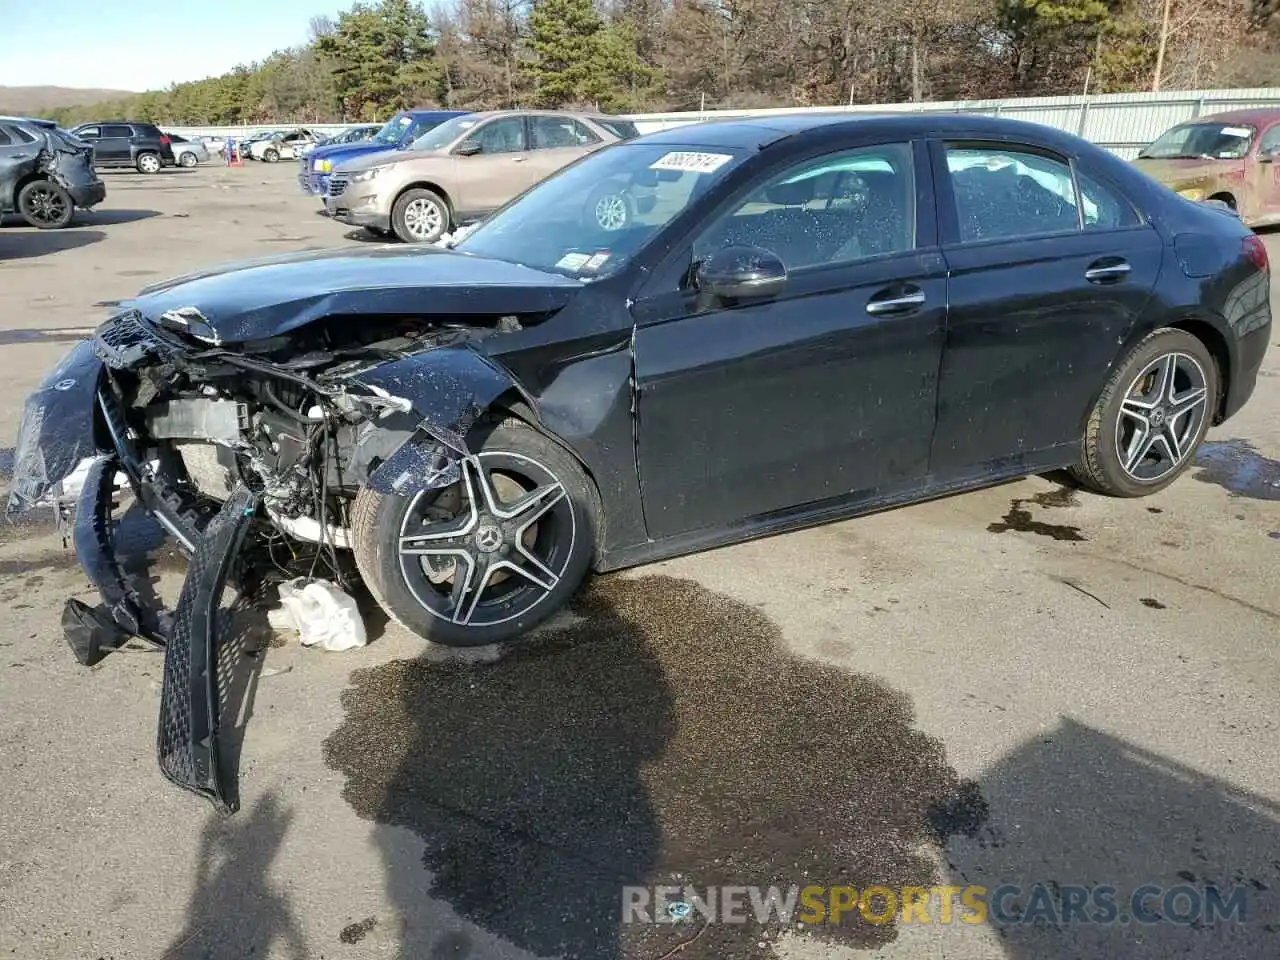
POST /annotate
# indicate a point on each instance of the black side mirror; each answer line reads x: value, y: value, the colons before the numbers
x: 469, y: 148
x: 742, y: 273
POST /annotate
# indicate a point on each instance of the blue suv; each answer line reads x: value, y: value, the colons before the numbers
x: 397, y: 134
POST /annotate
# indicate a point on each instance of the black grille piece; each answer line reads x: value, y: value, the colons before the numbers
x: 187, y: 739
x: 337, y: 187
x: 124, y: 341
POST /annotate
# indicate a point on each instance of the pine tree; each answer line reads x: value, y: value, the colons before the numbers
x: 565, y: 37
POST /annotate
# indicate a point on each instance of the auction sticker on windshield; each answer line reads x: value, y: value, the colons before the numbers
x: 1236, y: 131
x: 692, y: 162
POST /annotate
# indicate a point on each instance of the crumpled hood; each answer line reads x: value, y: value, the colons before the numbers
x: 255, y: 299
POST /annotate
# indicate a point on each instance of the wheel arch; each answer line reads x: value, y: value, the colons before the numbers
x: 426, y: 185
x: 1216, y: 343
x: 453, y: 393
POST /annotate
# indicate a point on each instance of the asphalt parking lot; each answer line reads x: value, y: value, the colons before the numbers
x: 1027, y: 685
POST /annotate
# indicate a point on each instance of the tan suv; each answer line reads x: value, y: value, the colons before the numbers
x: 463, y: 170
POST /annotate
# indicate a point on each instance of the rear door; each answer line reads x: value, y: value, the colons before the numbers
x: 14, y: 148
x: 91, y: 135
x: 556, y: 141
x: 1050, y: 268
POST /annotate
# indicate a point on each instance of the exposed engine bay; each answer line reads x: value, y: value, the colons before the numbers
x: 289, y: 417
x: 250, y: 455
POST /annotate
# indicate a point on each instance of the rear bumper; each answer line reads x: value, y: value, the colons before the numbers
x: 1250, y: 352
x: 89, y: 195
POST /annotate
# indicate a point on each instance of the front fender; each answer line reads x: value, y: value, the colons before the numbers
x: 58, y: 428
x: 448, y: 389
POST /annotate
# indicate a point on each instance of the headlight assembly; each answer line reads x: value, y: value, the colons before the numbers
x: 1192, y: 193
x: 360, y: 176
x: 324, y: 166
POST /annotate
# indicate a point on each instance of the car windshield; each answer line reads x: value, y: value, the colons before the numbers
x: 394, y: 129
x: 1201, y: 141
x: 591, y: 218
x: 437, y: 138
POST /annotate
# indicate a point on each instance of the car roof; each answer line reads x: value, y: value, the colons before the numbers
x: 34, y: 121
x: 1254, y: 115
x: 761, y: 131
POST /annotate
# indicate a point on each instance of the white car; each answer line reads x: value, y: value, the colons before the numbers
x: 285, y: 146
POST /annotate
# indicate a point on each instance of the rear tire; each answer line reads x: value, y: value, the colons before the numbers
x: 420, y: 216
x: 1151, y: 417
x: 148, y: 163
x: 45, y: 205
x: 444, y: 586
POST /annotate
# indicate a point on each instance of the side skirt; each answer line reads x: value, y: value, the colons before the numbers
x: 847, y: 507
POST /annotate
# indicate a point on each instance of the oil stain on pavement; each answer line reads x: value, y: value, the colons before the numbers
x: 1240, y: 468
x: 1020, y: 520
x: 667, y: 738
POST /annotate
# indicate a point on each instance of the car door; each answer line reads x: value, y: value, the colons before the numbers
x: 91, y: 135
x: 824, y: 391
x: 557, y: 141
x: 500, y: 171
x: 113, y: 146
x: 1050, y: 267
x: 14, y: 148
x: 1264, y: 177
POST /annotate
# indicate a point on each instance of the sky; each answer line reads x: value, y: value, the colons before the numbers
x: 145, y: 44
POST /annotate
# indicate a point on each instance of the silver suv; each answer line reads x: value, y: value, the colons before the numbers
x: 463, y: 170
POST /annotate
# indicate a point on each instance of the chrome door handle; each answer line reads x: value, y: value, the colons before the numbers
x: 896, y: 304
x: 1114, y: 271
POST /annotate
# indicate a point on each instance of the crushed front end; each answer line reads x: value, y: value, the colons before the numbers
x: 248, y: 455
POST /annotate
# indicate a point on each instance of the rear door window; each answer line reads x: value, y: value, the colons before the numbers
x: 117, y: 130
x: 551, y: 132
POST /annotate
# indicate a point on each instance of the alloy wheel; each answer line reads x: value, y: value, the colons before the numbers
x: 47, y: 205
x: 149, y: 163
x: 492, y: 546
x: 423, y: 219
x: 1161, y: 416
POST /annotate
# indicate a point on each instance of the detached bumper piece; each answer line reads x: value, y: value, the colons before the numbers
x: 93, y: 632
x: 187, y: 740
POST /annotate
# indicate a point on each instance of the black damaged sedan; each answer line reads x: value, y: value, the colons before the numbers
x: 700, y: 336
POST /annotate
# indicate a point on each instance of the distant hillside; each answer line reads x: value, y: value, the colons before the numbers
x: 36, y: 100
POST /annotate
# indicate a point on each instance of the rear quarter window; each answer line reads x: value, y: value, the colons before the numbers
x: 623, y: 129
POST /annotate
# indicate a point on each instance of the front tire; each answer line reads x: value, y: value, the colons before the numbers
x: 1151, y: 416
x: 490, y: 557
x: 187, y: 159
x: 271, y: 155
x: 420, y: 216
x: 148, y: 163
x: 45, y: 205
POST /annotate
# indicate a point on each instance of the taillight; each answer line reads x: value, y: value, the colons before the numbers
x: 1256, y: 251
x: 164, y: 141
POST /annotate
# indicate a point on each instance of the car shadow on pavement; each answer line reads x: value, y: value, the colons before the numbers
x: 664, y: 737
x: 1074, y: 808
x: 39, y: 243
x: 235, y: 911
x: 101, y: 217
